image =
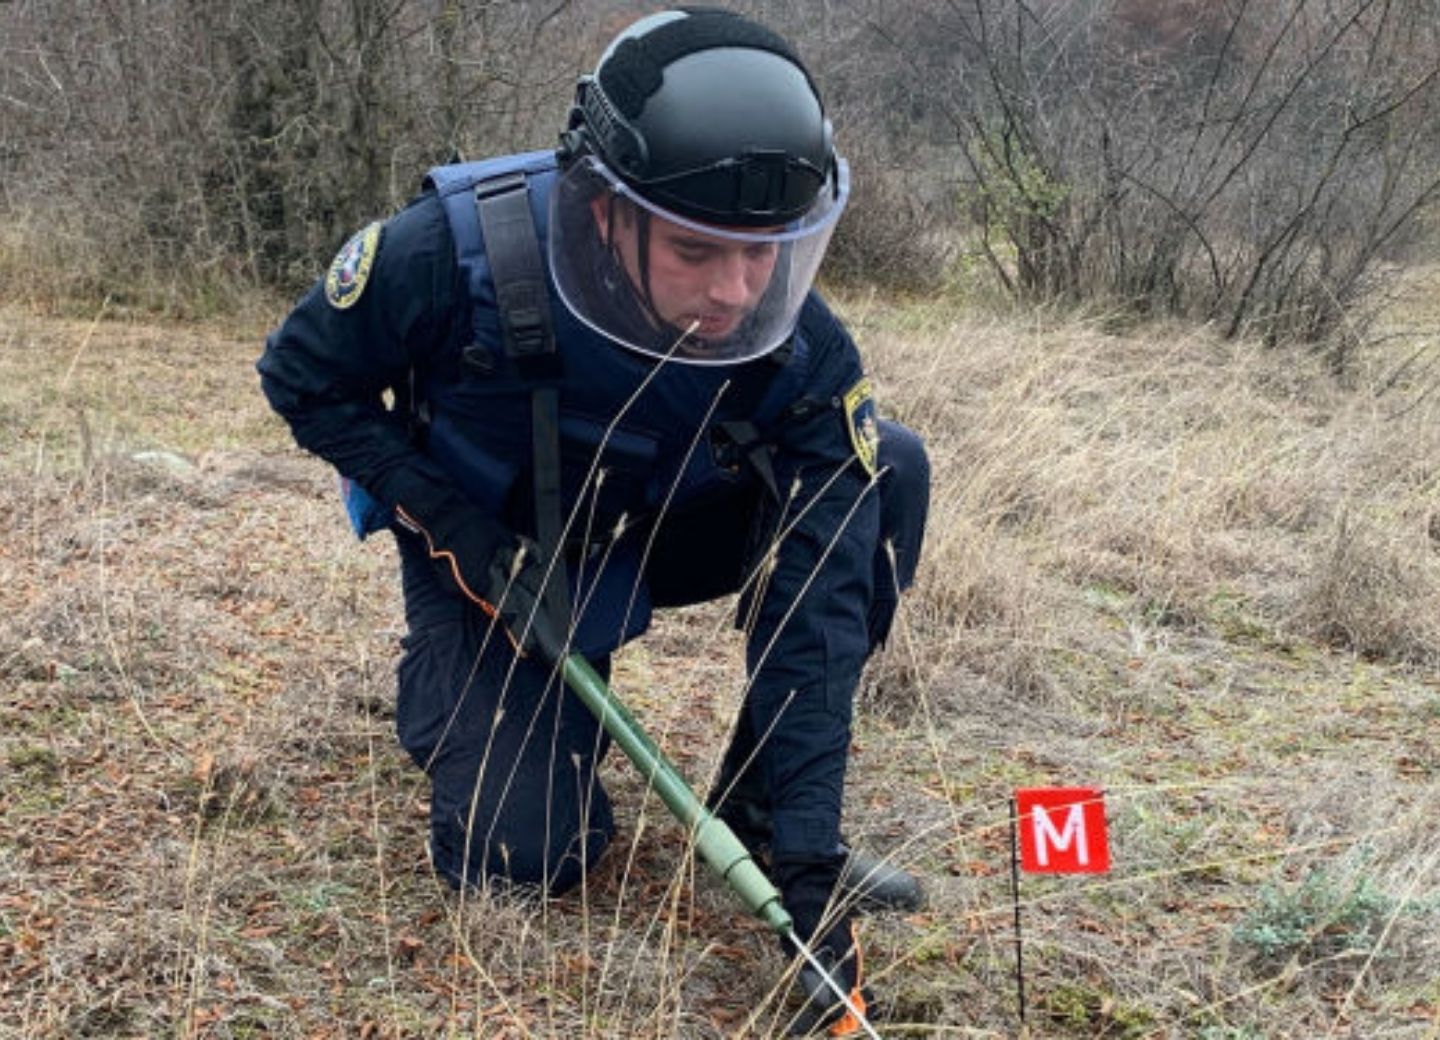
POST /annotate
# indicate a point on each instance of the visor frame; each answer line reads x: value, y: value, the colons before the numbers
x: 588, y: 283
x: 835, y: 189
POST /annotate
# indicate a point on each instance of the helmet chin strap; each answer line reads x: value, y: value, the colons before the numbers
x: 643, y: 297
x: 642, y: 258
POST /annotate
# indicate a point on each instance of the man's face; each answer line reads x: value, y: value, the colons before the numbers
x: 691, y: 278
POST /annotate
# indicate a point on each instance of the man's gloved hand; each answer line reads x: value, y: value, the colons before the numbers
x: 806, y: 888
x: 517, y: 579
x: 499, y: 571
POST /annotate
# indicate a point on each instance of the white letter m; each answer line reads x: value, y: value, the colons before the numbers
x: 1073, y: 832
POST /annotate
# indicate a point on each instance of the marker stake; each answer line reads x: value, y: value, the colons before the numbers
x: 1015, y: 895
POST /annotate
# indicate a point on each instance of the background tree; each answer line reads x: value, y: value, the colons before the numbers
x: 1250, y: 164
x: 1253, y: 165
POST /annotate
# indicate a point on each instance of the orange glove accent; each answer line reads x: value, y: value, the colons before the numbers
x: 849, y: 1025
x: 511, y: 580
x: 449, y: 558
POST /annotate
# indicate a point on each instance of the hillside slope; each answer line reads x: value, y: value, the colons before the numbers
x: 1202, y: 575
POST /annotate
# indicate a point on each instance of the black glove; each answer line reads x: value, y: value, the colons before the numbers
x: 499, y: 571
x: 517, y: 582
x: 806, y: 887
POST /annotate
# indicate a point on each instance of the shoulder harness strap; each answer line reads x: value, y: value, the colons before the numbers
x: 513, y: 250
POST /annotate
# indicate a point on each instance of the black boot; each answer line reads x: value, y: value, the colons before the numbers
x: 869, y: 883
x: 876, y: 884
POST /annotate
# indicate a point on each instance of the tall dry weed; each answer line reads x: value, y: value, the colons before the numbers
x: 1374, y: 590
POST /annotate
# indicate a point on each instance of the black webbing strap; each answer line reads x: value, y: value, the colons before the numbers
x: 743, y: 438
x: 513, y: 250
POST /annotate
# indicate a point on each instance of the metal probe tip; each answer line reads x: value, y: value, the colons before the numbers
x: 806, y: 952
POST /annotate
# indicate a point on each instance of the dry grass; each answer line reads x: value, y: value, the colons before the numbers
x: 63, y: 263
x: 1201, y: 574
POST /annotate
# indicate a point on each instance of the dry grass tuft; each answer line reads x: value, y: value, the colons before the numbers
x: 1375, y: 591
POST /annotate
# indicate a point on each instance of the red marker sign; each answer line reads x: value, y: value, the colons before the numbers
x: 1062, y: 830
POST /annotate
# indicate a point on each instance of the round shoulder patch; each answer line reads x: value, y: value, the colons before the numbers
x: 350, y: 269
x: 861, y: 423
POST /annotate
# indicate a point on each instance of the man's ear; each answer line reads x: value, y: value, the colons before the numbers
x: 613, y: 214
x: 600, y: 209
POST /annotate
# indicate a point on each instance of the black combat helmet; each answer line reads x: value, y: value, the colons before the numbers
x: 709, y: 115
x: 705, y: 121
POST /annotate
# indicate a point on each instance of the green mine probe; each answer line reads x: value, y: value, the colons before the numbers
x: 714, y: 839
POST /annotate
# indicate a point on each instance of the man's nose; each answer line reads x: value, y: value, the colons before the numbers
x: 728, y: 283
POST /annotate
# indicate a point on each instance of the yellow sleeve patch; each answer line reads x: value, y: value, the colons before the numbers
x: 350, y: 269
x: 860, y: 421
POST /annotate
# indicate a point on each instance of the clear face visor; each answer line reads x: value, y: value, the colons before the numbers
x: 670, y: 287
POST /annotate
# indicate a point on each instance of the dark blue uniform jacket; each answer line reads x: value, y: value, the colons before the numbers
x: 425, y: 310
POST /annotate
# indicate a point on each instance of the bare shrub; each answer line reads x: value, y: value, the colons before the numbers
x: 890, y: 237
x: 239, y: 143
x: 1374, y: 591
x: 1251, y: 165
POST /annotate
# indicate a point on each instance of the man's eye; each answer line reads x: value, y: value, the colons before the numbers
x: 759, y: 251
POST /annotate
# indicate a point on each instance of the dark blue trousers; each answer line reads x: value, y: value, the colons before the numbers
x: 512, y: 756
